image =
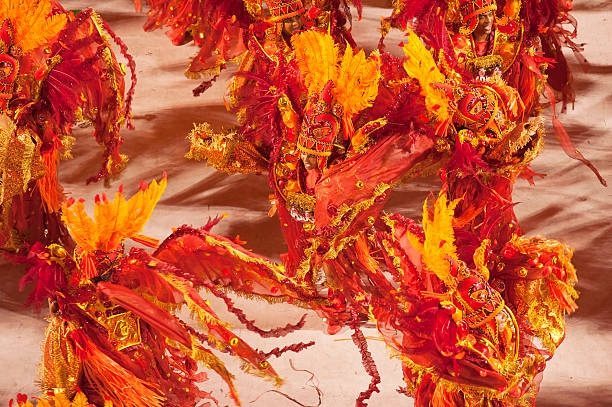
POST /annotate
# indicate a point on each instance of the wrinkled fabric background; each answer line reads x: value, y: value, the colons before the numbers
x: 568, y: 205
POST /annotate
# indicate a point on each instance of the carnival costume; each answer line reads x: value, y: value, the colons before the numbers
x: 471, y: 307
x: 473, y: 323
x: 114, y: 337
x: 459, y: 333
x: 57, y: 70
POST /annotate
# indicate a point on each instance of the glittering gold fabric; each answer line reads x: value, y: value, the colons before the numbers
x: 61, y: 367
x: 227, y: 152
x: 19, y: 159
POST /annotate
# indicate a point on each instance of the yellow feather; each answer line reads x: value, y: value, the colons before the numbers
x: 357, y: 83
x: 439, y: 243
x: 32, y: 23
x: 82, y: 228
x: 42, y: 403
x: 140, y: 207
x: 80, y: 400
x: 60, y: 400
x: 419, y: 64
x: 105, y: 216
x: 317, y: 57
x: 114, y: 221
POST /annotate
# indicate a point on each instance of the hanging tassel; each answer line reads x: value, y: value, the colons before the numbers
x: 87, y: 267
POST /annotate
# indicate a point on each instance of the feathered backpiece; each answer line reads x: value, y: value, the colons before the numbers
x: 426, y: 18
x: 80, y: 79
x: 32, y: 22
x: 355, y: 77
x: 66, y: 73
x: 226, y: 30
x: 114, y: 221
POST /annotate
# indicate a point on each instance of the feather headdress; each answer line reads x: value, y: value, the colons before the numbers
x: 114, y: 221
x: 354, y: 75
x: 32, y: 22
x: 317, y: 58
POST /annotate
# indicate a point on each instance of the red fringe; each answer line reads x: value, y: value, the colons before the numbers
x: 566, y: 142
x: 296, y: 347
x: 204, y: 86
x: 249, y: 323
x: 132, y: 65
x: 366, y: 360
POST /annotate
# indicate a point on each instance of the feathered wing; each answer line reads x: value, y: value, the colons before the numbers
x: 171, y: 288
x: 213, y: 259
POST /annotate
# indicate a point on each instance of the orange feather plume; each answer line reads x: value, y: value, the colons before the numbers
x: 33, y: 24
x: 114, y: 221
